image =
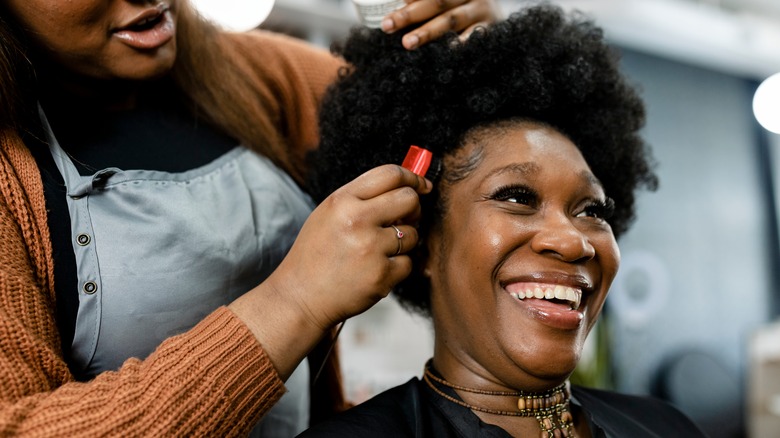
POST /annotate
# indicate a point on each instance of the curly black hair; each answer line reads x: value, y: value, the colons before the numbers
x: 541, y: 64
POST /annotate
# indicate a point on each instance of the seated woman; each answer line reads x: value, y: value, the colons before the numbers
x: 539, y: 156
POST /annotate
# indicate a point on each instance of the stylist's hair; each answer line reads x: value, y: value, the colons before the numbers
x: 218, y: 89
x: 16, y: 77
x: 222, y: 92
x: 539, y: 65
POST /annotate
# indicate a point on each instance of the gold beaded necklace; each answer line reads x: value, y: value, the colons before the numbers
x: 550, y: 408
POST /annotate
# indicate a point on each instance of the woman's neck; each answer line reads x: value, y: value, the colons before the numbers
x: 467, y: 371
x: 496, y: 402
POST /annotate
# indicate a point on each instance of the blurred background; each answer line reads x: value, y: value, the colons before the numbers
x: 692, y: 317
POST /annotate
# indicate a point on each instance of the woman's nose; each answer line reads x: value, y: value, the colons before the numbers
x: 559, y: 236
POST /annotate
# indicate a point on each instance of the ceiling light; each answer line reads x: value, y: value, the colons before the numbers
x: 766, y: 103
x: 235, y: 15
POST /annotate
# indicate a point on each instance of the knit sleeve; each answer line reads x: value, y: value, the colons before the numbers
x: 294, y: 76
x: 214, y: 380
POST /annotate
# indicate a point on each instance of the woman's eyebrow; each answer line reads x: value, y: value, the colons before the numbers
x: 530, y: 168
x: 527, y: 168
x: 589, y: 178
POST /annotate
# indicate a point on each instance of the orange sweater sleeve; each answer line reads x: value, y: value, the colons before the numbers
x: 212, y: 380
x: 292, y: 77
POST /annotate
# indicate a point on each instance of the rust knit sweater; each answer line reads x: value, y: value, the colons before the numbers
x: 214, y: 380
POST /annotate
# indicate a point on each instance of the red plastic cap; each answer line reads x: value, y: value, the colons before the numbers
x: 417, y: 160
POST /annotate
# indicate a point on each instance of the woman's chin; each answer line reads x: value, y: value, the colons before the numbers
x: 545, y: 369
x: 147, y: 71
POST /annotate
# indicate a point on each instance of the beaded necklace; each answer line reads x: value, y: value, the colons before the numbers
x: 550, y: 408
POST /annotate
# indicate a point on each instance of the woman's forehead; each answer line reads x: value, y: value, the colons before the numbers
x: 521, y: 149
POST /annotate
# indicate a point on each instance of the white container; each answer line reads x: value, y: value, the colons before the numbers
x: 371, y: 12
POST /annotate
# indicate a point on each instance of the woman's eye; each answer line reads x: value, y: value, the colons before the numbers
x: 516, y: 195
x: 599, y: 209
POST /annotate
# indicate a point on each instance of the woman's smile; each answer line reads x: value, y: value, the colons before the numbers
x: 556, y: 294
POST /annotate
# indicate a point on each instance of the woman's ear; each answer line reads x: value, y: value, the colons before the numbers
x: 430, y: 254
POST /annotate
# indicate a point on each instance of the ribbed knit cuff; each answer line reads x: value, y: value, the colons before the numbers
x: 235, y: 382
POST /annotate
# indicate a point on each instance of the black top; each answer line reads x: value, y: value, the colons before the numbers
x: 414, y: 410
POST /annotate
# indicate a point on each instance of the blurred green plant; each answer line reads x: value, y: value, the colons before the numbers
x: 595, y: 367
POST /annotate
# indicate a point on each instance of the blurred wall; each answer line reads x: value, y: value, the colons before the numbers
x: 697, y: 268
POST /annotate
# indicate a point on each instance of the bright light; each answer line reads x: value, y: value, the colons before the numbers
x: 235, y: 15
x: 766, y: 103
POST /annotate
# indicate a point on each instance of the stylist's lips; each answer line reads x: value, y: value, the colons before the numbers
x: 149, y: 30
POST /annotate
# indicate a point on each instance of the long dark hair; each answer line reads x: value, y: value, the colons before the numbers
x: 217, y: 88
x: 16, y: 77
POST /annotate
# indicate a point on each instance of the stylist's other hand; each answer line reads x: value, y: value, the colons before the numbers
x: 442, y: 16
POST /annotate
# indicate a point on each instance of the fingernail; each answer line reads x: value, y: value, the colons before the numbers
x: 388, y: 24
x: 411, y: 42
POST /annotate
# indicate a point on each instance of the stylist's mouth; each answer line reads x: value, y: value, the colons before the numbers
x: 149, y: 30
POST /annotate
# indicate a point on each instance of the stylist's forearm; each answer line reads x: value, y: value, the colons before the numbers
x: 281, y: 328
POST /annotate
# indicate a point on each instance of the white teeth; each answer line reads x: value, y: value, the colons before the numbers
x: 559, y: 292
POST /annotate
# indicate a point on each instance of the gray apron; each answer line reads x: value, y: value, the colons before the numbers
x: 156, y: 252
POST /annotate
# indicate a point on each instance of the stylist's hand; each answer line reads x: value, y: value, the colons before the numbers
x: 442, y: 16
x: 345, y: 259
x: 347, y: 255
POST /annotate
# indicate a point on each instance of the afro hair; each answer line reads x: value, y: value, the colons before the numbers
x: 540, y: 64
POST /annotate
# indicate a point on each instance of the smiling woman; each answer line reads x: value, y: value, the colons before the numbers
x: 537, y: 133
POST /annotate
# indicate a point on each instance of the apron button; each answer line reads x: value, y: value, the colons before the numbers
x: 90, y: 287
x: 83, y: 239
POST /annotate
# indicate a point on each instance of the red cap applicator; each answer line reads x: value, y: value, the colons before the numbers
x: 418, y: 160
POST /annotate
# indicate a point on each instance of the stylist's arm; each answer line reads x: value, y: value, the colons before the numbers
x: 346, y: 258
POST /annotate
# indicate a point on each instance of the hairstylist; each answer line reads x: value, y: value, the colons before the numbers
x: 148, y: 168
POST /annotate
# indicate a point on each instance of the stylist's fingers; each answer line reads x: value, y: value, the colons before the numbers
x: 417, y: 11
x: 383, y: 179
x: 444, y: 16
x: 470, y: 30
x: 404, y: 239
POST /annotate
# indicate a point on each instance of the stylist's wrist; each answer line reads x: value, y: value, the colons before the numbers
x: 286, y: 330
